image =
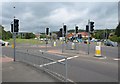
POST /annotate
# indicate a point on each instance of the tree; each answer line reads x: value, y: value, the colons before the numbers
x: 117, y: 31
x: 29, y: 35
x: 4, y: 35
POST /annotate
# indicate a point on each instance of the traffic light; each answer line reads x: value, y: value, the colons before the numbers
x: 50, y: 34
x: 61, y: 32
x: 65, y: 29
x: 76, y: 29
x: 16, y: 25
x: 11, y: 27
x: 47, y: 31
x: 87, y: 28
x: 91, y: 26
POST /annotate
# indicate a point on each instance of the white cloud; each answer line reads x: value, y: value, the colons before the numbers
x: 62, y: 15
x: 36, y: 16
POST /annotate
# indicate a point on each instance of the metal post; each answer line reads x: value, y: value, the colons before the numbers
x: 14, y: 37
x: 66, y: 69
x: 75, y: 37
x: 88, y: 37
x: 46, y: 42
x: 62, y: 38
x: 106, y: 34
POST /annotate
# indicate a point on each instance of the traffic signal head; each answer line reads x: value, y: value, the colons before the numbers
x: 61, y: 32
x: 91, y: 26
x: 87, y: 28
x: 76, y: 29
x: 11, y: 27
x: 50, y: 34
x: 47, y: 31
x: 16, y: 25
x: 65, y: 28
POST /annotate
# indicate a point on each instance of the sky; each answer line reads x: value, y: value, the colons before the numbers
x: 36, y: 16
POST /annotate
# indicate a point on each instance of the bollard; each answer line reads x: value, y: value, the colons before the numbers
x: 73, y: 45
x: 54, y: 43
x: 98, y: 50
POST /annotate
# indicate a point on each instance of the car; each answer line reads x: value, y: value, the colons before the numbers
x: 3, y: 43
x: 110, y: 43
x: 86, y: 42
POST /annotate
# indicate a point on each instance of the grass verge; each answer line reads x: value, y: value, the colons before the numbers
x: 26, y: 41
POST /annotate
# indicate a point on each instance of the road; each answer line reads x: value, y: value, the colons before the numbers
x: 107, y: 51
x: 80, y: 69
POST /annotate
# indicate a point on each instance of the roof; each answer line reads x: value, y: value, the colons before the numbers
x: 83, y: 33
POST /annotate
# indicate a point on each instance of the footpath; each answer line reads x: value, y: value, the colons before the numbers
x: 21, y: 72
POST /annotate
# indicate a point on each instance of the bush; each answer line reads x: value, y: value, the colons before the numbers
x: 115, y: 38
x: 118, y: 39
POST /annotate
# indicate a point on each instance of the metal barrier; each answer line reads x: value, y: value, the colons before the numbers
x: 56, y: 67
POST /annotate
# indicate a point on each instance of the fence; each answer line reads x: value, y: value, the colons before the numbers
x: 56, y: 67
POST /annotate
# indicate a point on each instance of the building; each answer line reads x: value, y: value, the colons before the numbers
x: 84, y: 34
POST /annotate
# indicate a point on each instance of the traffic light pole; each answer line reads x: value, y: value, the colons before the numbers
x: 88, y: 38
x: 62, y: 37
x: 14, y: 37
x: 46, y: 42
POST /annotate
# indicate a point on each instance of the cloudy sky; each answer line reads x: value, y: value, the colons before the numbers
x: 36, y: 16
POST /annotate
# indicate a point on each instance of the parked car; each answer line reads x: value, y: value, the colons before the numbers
x: 3, y: 43
x: 110, y: 43
x: 86, y: 41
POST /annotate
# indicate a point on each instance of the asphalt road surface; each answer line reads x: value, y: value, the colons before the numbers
x: 107, y: 51
x: 80, y: 69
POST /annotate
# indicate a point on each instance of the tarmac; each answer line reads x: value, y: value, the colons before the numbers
x: 22, y: 72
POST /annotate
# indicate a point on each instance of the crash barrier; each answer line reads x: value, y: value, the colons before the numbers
x: 56, y: 67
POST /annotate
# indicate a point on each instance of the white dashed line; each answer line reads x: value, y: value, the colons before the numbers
x: 57, y: 61
x: 116, y: 59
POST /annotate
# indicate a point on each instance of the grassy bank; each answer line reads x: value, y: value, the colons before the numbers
x: 26, y: 41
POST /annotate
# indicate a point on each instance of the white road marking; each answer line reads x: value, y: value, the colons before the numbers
x: 57, y: 61
x: 116, y: 59
x: 72, y: 57
x: 41, y: 50
x: 103, y: 57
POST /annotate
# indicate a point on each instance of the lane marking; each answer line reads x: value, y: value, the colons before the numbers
x: 57, y: 61
x: 103, y: 57
x: 116, y: 59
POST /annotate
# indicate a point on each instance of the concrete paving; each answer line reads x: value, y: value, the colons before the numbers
x: 21, y: 72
